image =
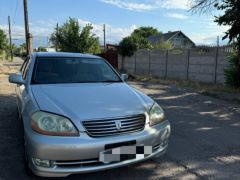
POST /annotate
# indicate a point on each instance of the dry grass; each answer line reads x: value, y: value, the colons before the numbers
x: 213, y: 90
x: 6, y: 70
x: 201, y: 87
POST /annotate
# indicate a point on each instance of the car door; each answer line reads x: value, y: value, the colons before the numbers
x: 22, y: 89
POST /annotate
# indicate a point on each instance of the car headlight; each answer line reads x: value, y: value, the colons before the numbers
x: 156, y: 115
x: 52, y: 125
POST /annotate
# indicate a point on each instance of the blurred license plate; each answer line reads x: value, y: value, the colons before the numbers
x: 125, y: 153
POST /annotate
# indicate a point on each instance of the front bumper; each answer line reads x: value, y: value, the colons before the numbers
x: 74, y: 149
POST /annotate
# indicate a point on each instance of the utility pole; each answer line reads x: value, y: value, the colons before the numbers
x: 104, y: 37
x: 217, y: 41
x: 10, y: 37
x: 57, y: 39
x: 28, y: 45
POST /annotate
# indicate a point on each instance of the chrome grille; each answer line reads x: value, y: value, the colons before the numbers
x: 110, y: 127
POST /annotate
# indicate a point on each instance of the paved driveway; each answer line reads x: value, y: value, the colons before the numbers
x: 205, y: 141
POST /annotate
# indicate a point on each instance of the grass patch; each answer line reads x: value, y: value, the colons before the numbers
x: 214, y: 90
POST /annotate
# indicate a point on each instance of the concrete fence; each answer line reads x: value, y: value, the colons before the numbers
x: 194, y: 64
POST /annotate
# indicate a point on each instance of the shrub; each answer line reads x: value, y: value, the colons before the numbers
x: 233, y: 71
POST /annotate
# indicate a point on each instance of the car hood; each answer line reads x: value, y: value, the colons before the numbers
x: 91, y: 100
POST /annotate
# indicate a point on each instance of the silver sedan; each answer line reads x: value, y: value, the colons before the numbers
x: 79, y: 116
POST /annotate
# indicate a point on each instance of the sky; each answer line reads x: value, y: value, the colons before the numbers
x: 120, y: 16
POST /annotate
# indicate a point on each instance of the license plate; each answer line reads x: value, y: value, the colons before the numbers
x: 125, y: 153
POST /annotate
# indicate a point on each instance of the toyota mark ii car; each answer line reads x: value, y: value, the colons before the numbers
x: 79, y: 116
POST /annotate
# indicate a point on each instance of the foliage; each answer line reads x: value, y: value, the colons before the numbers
x: 146, y: 32
x: 231, y: 18
x: 231, y: 73
x: 127, y: 47
x: 163, y: 45
x: 3, y: 40
x: 141, y: 42
x: 71, y: 38
x: 137, y: 40
x: 20, y: 51
x: 42, y: 49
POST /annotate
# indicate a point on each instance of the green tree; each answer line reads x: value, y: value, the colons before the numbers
x: 141, y: 42
x: 231, y: 73
x: 140, y: 37
x: 163, y: 45
x: 3, y: 40
x: 137, y: 40
x: 42, y: 49
x: 127, y: 47
x: 146, y: 32
x: 71, y: 38
x: 230, y: 16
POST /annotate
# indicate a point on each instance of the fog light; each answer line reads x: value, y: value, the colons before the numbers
x: 42, y: 163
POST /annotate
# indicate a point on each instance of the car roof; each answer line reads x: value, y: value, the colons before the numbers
x: 63, y: 54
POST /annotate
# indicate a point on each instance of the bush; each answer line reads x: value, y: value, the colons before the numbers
x: 233, y: 72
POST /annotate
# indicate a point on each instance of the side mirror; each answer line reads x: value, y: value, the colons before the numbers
x: 16, y: 79
x: 124, y: 77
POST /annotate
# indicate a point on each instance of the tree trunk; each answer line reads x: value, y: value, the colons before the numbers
x: 238, y: 67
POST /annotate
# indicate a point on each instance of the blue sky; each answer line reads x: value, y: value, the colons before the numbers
x: 120, y: 16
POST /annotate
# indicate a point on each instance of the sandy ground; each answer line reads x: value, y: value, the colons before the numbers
x: 205, y: 141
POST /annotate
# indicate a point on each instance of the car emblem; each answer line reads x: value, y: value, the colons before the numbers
x: 118, y: 125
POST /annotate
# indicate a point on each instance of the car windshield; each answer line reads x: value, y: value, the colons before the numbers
x: 73, y: 70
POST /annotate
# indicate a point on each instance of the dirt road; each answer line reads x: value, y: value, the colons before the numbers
x: 205, y: 141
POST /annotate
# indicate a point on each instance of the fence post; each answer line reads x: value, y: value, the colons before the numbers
x: 166, y: 67
x: 216, y: 65
x: 122, y: 68
x: 149, y: 62
x: 188, y: 59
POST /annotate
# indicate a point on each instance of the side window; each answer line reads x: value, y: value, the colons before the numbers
x: 26, y: 68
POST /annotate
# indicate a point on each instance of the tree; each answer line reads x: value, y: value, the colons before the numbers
x: 141, y: 42
x: 3, y: 40
x: 231, y: 73
x: 146, y: 32
x: 127, y: 47
x: 137, y: 40
x: 163, y: 45
x: 230, y: 16
x: 42, y: 49
x: 140, y: 37
x: 71, y: 38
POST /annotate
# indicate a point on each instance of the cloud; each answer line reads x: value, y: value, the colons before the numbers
x: 210, y: 33
x: 148, y: 5
x: 176, y: 16
x: 133, y: 6
x: 173, y: 4
x: 113, y: 34
x: 42, y: 30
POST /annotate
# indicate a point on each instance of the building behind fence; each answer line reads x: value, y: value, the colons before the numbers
x: 203, y: 64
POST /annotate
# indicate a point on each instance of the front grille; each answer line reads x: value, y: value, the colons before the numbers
x: 108, y: 127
